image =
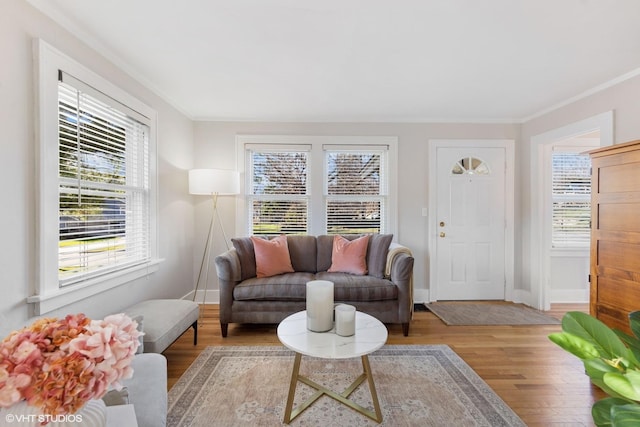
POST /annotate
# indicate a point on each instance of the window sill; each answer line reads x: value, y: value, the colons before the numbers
x: 64, y: 296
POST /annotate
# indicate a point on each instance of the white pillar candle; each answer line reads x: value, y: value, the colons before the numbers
x: 319, y: 305
x: 345, y: 320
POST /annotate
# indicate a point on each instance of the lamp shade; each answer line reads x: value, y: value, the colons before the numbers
x: 212, y: 181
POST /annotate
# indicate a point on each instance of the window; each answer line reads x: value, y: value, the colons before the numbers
x: 355, y: 190
x: 103, y: 183
x: 317, y: 185
x: 277, y: 195
x: 571, y: 198
x: 97, y: 198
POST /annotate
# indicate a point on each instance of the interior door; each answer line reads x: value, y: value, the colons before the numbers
x: 470, y: 223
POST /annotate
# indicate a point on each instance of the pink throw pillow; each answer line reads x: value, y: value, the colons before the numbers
x: 349, y: 256
x: 272, y: 256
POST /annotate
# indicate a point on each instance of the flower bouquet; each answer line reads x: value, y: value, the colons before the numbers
x: 58, y: 365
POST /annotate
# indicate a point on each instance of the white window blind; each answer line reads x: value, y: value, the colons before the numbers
x: 104, y: 194
x: 571, y: 196
x: 278, y: 196
x: 356, y: 188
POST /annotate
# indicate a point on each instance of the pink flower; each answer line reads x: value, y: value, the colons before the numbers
x: 59, y: 365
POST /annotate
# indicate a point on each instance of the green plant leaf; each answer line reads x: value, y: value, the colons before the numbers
x: 634, y: 323
x: 625, y: 415
x: 596, y: 369
x: 575, y: 345
x: 601, y: 411
x: 634, y: 345
x: 627, y: 385
x: 597, y: 333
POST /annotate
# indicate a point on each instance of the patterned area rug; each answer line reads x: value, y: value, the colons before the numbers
x: 499, y: 313
x: 417, y: 386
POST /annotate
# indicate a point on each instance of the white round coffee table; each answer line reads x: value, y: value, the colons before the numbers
x: 370, y: 335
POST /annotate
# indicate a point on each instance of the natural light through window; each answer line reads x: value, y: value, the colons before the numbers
x: 571, y: 199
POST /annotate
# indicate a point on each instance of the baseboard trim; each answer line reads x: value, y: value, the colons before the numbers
x: 569, y: 296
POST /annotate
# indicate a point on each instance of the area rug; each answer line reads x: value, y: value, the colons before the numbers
x: 416, y: 385
x: 463, y: 313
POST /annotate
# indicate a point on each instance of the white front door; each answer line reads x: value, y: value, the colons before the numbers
x: 470, y: 223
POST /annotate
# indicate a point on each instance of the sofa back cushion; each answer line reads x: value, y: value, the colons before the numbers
x: 377, y: 254
x: 325, y: 247
x: 246, y: 255
x: 312, y: 254
x: 303, y: 252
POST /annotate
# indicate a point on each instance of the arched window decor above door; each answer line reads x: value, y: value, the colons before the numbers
x: 470, y: 166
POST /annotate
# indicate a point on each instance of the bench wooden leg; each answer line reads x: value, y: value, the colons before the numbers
x: 194, y: 325
x: 225, y: 328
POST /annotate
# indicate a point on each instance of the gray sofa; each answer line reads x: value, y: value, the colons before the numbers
x: 147, y: 389
x: 386, y: 292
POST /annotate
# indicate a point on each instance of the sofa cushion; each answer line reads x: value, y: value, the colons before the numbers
x: 377, y: 254
x: 284, y: 287
x: 272, y: 256
x: 324, y: 244
x: 347, y: 287
x: 349, y: 256
x: 303, y: 252
x: 246, y: 255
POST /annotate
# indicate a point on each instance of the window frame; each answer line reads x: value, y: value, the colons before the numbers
x: 317, y: 173
x: 49, y: 294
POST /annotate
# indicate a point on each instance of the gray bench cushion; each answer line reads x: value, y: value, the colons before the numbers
x: 164, y: 321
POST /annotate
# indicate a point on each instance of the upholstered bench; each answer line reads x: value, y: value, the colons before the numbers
x: 164, y: 321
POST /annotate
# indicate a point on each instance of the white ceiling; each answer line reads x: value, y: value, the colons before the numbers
x: 363, y: 60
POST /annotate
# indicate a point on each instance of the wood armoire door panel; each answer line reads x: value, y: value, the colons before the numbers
x: 615, y: 233
x: 619, y: 217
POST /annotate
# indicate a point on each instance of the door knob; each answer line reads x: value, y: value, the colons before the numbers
x: 442, y: 234
x: 441, y: 223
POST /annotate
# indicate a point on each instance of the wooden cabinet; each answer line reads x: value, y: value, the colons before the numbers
x: 615, y: 233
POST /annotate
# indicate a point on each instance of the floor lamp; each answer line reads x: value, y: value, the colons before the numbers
x: 213, y: 183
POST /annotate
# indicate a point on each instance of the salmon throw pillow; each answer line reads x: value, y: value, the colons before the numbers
x: 349, y: 256
x: 272, y: 256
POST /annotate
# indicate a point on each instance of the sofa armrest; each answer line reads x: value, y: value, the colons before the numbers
x: 395, y: 266
x: 400, y: 272
x: 228, y: 266
x: 229, y: 275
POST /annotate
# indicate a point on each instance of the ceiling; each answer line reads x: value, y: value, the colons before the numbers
x: 363, y: 60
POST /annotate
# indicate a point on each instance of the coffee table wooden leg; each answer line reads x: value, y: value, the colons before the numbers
x: 292, y: 388
x: 372, y: 387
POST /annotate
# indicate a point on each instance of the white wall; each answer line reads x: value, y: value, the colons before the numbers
x: 19, y: 25
x: 622, y: 99
x: 215, y: 147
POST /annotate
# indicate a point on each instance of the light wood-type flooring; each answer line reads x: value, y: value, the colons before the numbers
x: 543, y: 384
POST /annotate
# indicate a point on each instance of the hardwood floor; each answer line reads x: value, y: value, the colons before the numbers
x: 542, y: 383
